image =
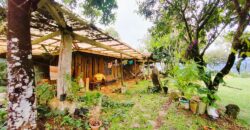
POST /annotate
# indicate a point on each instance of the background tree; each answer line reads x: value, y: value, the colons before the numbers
x: 112, y: 32
x: 201, y: 22
x: 102, y: 10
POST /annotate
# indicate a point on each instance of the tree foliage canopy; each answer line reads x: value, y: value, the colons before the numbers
x: 94, y: 9
x: 196, y: 25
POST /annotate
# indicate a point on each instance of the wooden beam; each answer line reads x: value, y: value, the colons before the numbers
x: 50, y: 44
x: 98, y: 53
x: 46, y: 37
x: 70, y: 14
x: 37, y: 35
x: 54, y: 13
x: 94, y: 43
x: 41, y: 3
x: 122, y: 84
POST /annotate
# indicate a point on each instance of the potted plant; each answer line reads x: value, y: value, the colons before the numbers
x: 194, y: 104
x: 202, y: 105
x: 95, y: 124
x: 184, y: 103
x: 212, y: 106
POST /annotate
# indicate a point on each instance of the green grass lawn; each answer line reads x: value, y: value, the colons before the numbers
x: 143, y: 115
x: 147, y: 106
x: 238, y: 97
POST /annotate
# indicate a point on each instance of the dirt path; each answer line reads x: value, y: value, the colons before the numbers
x: 162, y: 113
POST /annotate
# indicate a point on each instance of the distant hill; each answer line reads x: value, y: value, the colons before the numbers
x: 245, y: 66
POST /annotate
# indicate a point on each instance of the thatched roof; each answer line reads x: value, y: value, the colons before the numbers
x: 51, y: 18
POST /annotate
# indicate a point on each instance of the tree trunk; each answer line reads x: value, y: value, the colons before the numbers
x: 244, y: 19
x: 155, y: 79
x: 64, y: 65
x: 22, y: 104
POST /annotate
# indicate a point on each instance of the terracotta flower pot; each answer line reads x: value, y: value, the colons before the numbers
x: 95, y: 124
x: 193, y: 106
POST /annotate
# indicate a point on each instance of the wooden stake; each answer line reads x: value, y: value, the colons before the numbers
x: 121, y: 72
x: 87, y: 84
x: 148, y: 68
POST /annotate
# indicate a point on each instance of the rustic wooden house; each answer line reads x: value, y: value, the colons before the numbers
x: 62, y: 38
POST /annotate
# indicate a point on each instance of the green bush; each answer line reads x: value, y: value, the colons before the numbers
x: 90, y: 99
x: 73, y: 90
x: 186, y: 78
x: 107, y: 103
x: 3, y: 118
x: 3, y: 73
x: 45, y: 92
x: 69, y: 121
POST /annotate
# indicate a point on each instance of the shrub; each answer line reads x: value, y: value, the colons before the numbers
x: 3, y: 73
x: 90, y: 99
x: 185, y: 78
x: 45, y: 92
x: 3, y: 118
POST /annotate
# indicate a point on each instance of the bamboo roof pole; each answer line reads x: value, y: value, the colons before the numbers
x: 72, y: 15
x: 54, y: 13
x: 148, y: 68
x: 79, y: 19
x: 46, y: 37
x: 94, y: 43
x: 38, y: 36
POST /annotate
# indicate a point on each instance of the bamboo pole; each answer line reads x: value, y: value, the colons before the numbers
x: 148, y: 68
x: 41, y: 3
x: 54, y: 13
x: 46, y: 37
x: 122, y: 84
x: 87, y: 84
x: 72, y: 15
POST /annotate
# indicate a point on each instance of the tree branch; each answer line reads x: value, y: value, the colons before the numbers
x: 207, y: 16
x: 187, y: 26
x: 243, y: 22
x: 237, y: 6
x: 213, y: 38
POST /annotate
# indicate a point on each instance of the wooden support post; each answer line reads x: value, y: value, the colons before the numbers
x: 87, y: 84
x: 143, y: 66
x: 135, y: 67
x: 64, y: 64
x: 122, y: 84
x: 3, y: 27
x: 148, y: 68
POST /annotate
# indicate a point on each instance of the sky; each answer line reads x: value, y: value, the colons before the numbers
x: 132, y: 27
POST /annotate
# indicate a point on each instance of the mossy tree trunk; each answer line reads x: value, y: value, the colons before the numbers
x: 22, y: 104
